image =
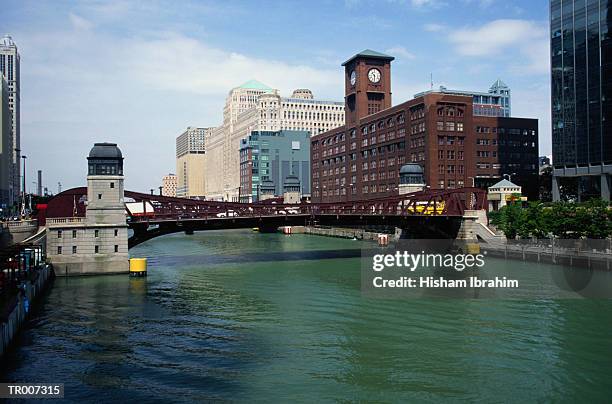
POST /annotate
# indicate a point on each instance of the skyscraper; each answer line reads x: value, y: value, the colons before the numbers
x: 9, y: 66
x: 6, y: 149
x: 190, y: 150
x: 581, y: 93
x: 251, y: 107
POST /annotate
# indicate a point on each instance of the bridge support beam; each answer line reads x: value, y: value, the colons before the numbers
x: 467, y: 230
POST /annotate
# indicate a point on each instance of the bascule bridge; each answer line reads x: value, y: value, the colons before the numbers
x: 87, y: 227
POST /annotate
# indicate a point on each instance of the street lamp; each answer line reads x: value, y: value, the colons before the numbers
x: 23, y: 193
x: 509, y: 176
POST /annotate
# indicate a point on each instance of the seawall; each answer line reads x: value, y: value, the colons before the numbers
x: 15, y: 312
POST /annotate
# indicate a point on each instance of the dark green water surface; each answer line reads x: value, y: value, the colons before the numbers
x: 241, y: 316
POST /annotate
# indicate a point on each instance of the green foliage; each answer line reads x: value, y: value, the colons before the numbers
x: 592, y: 219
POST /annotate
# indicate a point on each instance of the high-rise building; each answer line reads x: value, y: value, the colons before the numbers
x: 190, y: 170
x: 169, y: 183
x: 9, y: 66
x: 257, y: 107
x: 581, y: 89
x: 273, y: 156
x: 6, y: 149
x: 496, y: 102
x: 455, y: 147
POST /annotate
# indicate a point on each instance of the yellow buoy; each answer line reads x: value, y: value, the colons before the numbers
x: 138, y: 267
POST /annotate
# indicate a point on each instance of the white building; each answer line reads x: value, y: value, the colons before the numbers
x: 256, y: 107
x: 169, y: 185
x: 6, y: 149
x: 503, y: 192
x: 495, y: 102
x: 190, y: 164
x: 9, y: 67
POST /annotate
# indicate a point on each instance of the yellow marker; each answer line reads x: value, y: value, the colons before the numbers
x: 138, y: 267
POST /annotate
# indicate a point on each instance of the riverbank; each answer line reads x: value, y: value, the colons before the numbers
x: 16, y: 306
x: 548, y: 252
x: 339, y: 232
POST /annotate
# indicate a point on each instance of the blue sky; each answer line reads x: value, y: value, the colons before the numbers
x: 139, y: 72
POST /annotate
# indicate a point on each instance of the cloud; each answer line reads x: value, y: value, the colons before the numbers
x: 401, y: 52
x: 173, y: 62
x: 432, y: 27
x: 79, y: 23
x: 140, y: 92
x: 427, y: 4
x: 481, y: 3
x: 506, y: 37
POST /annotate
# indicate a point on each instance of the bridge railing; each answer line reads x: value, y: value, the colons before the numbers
x: 425, y: 203
x: 65, y: 220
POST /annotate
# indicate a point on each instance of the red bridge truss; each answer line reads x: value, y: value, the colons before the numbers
x: 450, y: 203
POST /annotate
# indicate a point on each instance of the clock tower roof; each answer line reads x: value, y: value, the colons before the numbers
x: 368, y: 53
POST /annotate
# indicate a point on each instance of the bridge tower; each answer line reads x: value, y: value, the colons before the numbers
x: 97, y: 243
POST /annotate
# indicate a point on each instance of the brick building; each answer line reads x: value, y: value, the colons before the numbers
x: 439, y: 131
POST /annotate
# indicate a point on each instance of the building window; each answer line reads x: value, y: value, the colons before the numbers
x: 96, y: 233
x: 112, y: 185
x: 116, y: 248
x: 59, y: 250
x: 74, y: 233
x: 74, y: 249
x: 97, y: 249
x: 116, y: 232
x: 99, y: 196
x: 59, y: 234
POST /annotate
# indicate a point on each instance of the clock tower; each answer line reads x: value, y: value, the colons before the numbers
x: 367, y: 80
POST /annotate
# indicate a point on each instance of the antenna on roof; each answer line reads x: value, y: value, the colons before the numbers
x: 431, y: 80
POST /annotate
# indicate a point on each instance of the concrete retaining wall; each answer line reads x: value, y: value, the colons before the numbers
x: 341, y: 232
x: 16, y: 318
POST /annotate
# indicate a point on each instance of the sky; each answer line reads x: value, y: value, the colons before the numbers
x: 139, y: 72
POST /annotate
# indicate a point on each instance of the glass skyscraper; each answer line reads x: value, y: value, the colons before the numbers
x: 581, y: 60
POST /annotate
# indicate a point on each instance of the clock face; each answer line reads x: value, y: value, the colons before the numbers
x: 353, y: 78
x: 374, y: 75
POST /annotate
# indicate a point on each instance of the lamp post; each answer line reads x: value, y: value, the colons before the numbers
x: 23, y: 192
x: 509, y: 176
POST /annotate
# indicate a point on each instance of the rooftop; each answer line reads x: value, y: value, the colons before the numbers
x: 499, y: 84
x: 7, y: 40
x: 370, y: 54
x: 105, y: 151
x: 255, y: 85
x: 504, y: 184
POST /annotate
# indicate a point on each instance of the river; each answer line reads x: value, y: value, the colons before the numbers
x: 241, y: 316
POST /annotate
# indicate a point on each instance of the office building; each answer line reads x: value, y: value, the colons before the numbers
x: 6, y: 149
x: 274, y: 156
x: 439, y: 131
x: 9, y: 67
x: 495, y: 102
x: 169, y: 183
x: 257, y: 107
x: 581, y: 89
x: 190, y: 169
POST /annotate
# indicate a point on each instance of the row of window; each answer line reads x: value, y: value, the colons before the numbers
x: 74, y: 249
x: 450, y: 169
x: 60, y: 233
